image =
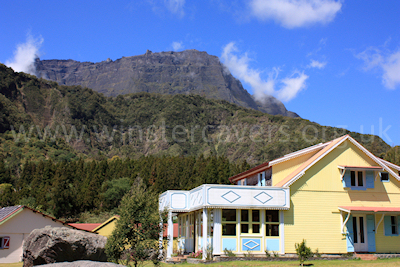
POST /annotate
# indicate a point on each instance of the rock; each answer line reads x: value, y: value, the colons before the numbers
x: 186, y: 72
x: 82, y: 264
x: 60, y: 244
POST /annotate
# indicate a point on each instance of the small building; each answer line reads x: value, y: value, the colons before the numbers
x: 16, y: 223
x: 106, y: 228
x: 337, y: 196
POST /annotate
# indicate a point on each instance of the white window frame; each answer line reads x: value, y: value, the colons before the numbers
x: 364, y: 179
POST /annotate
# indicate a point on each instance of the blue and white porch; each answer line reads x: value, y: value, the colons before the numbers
x: 233, y: 217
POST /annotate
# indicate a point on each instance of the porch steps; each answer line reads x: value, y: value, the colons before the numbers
x: 366, y: 257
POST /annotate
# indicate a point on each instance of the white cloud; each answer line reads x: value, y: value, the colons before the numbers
x: 175, y: 6
x: 25, y: 54
x: 296, y: 13
x: 317, y: 64
x: 177, y: 46
x: 239, y: 67
x: 386, y: 61
x: 292, y: 86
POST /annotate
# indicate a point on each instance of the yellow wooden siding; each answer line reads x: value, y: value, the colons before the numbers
x: 283, y: 169
x: 107, y: 229
x: 385, y: 244
x: 316, y: 196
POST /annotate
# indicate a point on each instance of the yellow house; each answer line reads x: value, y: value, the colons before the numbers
x: 337, y: 196
x: 106, y: 228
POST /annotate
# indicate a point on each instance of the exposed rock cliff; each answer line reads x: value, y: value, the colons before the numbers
x: 187, y: 72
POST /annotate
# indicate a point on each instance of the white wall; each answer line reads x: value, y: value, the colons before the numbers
x: 18, y: 229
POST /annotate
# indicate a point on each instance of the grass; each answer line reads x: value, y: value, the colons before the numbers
x: 380, y: 263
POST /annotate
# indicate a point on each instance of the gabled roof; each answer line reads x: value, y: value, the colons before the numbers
x: 7, y: 213
x: 85, y: 226
x: 300, y: 171
x: 115, y: 217
x: 268, y: 164
x: 389, y: 164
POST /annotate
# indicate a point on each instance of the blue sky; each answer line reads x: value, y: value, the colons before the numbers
x: 336, y: 63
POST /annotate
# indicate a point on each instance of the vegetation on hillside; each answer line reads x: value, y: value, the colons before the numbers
x: 42, y: 120
x: 68, y: 150
x: 71, y: 189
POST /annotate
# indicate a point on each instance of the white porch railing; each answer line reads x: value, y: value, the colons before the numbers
x: 225, y: 196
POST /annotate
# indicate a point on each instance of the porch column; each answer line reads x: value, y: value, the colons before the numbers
x: 282, y: 231
x: 217, y: 232
x: 170, y: 235
x: 161, y: 239
x: 204, y: 233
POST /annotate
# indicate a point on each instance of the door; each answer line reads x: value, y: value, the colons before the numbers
x: 360, y: 233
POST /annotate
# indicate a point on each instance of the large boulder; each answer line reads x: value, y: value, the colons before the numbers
x: 60, y: 244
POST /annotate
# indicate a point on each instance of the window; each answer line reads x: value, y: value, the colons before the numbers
x: 357, y: 178
x: 272, y: 222
x: 250, y: 222
x: 4, y: 242
x: 191, y: 227
x: 252, y: 180
x: 393, y: 221
x: 391, y: 225
x: 268, y: 177
x: 384, y: 177
x: 228, y: 222
x: 210, y: 223
x: 179, y: 226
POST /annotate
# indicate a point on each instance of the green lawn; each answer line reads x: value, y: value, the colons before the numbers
x: 381, y: 263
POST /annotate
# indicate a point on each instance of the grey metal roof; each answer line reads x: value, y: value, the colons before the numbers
x: 7, y: 211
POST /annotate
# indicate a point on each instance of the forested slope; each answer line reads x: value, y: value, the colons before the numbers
x: 67, y: 149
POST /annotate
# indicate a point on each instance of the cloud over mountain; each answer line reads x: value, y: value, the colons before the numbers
x: 239, y: 67
x: 25, y: 54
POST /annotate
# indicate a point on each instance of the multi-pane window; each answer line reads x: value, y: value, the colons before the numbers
x: 272, y: 222
x: 357, y: 178
x: 191, y: 225
x: 228, y: 222
x: 250, y: 222
x: 210, y: 223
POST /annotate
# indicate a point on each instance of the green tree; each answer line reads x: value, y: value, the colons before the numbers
x: 114, y: 191
x: 137, y: 233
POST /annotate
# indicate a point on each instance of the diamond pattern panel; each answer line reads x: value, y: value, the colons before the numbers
x: 263, y: 197
x: 251, y: 244
x: 230, y: 196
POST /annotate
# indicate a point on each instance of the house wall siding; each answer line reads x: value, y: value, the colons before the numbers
x: 283, y: 169
x: 316, y: 196
x: 386, y: 244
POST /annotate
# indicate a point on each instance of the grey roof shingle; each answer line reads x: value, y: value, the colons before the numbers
x: 7, y: 211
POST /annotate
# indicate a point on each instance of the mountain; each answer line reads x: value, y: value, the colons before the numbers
x: 187, y: 72
x: 63, y: 123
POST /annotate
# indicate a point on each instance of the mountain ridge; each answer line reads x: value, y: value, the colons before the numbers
x: 186, y: 72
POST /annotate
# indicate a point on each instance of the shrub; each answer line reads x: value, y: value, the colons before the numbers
x: 303, y: 252
x: 229, y: 253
